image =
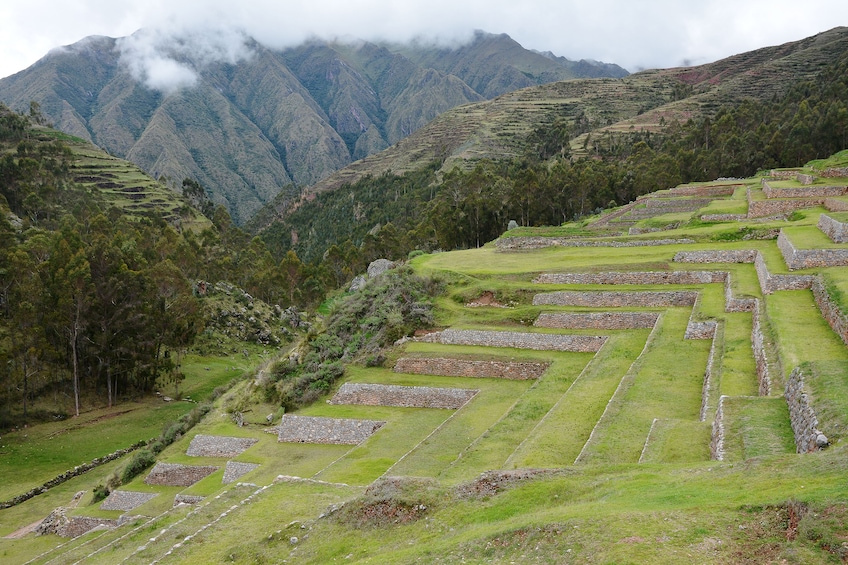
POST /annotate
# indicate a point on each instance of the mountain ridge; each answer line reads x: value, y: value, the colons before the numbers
x: 275, y: 121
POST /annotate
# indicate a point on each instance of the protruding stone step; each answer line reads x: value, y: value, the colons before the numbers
x: 173, y: 475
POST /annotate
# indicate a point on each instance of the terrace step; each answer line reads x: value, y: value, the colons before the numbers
x: 756, y: 426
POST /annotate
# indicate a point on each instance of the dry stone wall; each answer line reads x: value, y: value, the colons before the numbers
x: 235, y: 470
x: 126, y: 500
x: 700, y: 330
x: 519, y: 340
x: 710, y: 371
x: 837, y: 231
x: 716, y: 256
x: 174, y: 475
x: 805, y: 192
x: 616, y: 299
x: 597, y: 320
x: 705, y: 191
x: 717, y: 436
x: 761, y: 360
x: 808, y: 258
x: 723, y: 217
x: 830, y: 310
x: 511, y: 243
x: 836, y: 205
x: 403, y: 396
x: 835, y: 172
x: 805, y: 424
x: 315, y: 429
x: 634, y: 278
x: 218, y: 446
x: 470, y: 368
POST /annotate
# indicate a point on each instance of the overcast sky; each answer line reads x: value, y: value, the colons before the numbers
x: 635, y: 34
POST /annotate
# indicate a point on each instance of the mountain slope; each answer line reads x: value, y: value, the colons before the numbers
x: 276, y: 119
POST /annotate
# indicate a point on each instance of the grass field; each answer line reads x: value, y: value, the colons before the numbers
x: 603, y: 459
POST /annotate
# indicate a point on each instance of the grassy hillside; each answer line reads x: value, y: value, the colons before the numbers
x: 661, y: 442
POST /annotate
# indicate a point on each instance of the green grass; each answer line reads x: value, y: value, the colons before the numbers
x: 755, y: 427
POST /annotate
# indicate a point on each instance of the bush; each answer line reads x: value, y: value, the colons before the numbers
x: 99, y: 493
x: 141, y: 460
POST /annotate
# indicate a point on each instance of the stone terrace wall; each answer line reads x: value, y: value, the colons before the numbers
x: 805, y: 192
x: 723, y: 217
x: 717, y: 437
x: 763, y: 208
x: 772, y: 283
x: 597, y: 320
x: 79, y: 525
x: 520, y: 340
x: 470, y: 368
x: 314, y: 429
x: 218, y: 446
x: 718, y: 336
x: 804, y: 178
x: 700, y: 330
x: 604, y: 221
x: 807, y: 258
x: 234, y: 470
x: 808, y: 438
x: 635, y: 278
x: 187, y: 499
x: 760, y: 356
x: 509, y: 243
x: 835, y: 172
x: 615, y: 299
x: 173, y: 475
x: 835, y: 205
x: 830, y: 311
x: 716, y: 256
x: 834, y: 229
x: 733, y: 304
x: 126, y: 500
x: 724, y: 190
x: 402, y: 396
x: 677, y: 205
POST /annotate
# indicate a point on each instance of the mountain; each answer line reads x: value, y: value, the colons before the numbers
x: 276, y: 120
x: 498, y: 128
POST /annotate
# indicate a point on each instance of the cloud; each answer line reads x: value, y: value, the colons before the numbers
x: 168, y: 58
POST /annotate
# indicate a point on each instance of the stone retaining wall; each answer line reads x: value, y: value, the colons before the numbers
x: 615, y: 299
x: 509, y: 243
x: 709, y: 372
x: 763, y: 208
x: 218, y: 446
x: 314, y: 429
x: 830, y: 311
x: 677, y: 205
x: 717, y: 436
x: 733, y: 304
x: 604, y: 221
x: 760, y: 356
x: 126, y: 500
x: 836, y: 205
x: 700, y: 330
x: 634, y: 278
x: 403, y: 396
x: 173, y: 475
x: 469, y: 368
x: 805, y: 192
x: 835, y: 172
x: 520, y: 340
x: 805, y: 424
x: 714, y: 191
x: 234, y: 470
x: 808, y: 258
x: 79, y: 525
x: 716, y: 256
x: 770, y: 283
x: 723, y: 217
x: 597, y: 320
x: 804, y: 178
x: 834, y: 229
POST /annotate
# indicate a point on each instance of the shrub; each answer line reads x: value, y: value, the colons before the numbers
x: 141, y: 460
